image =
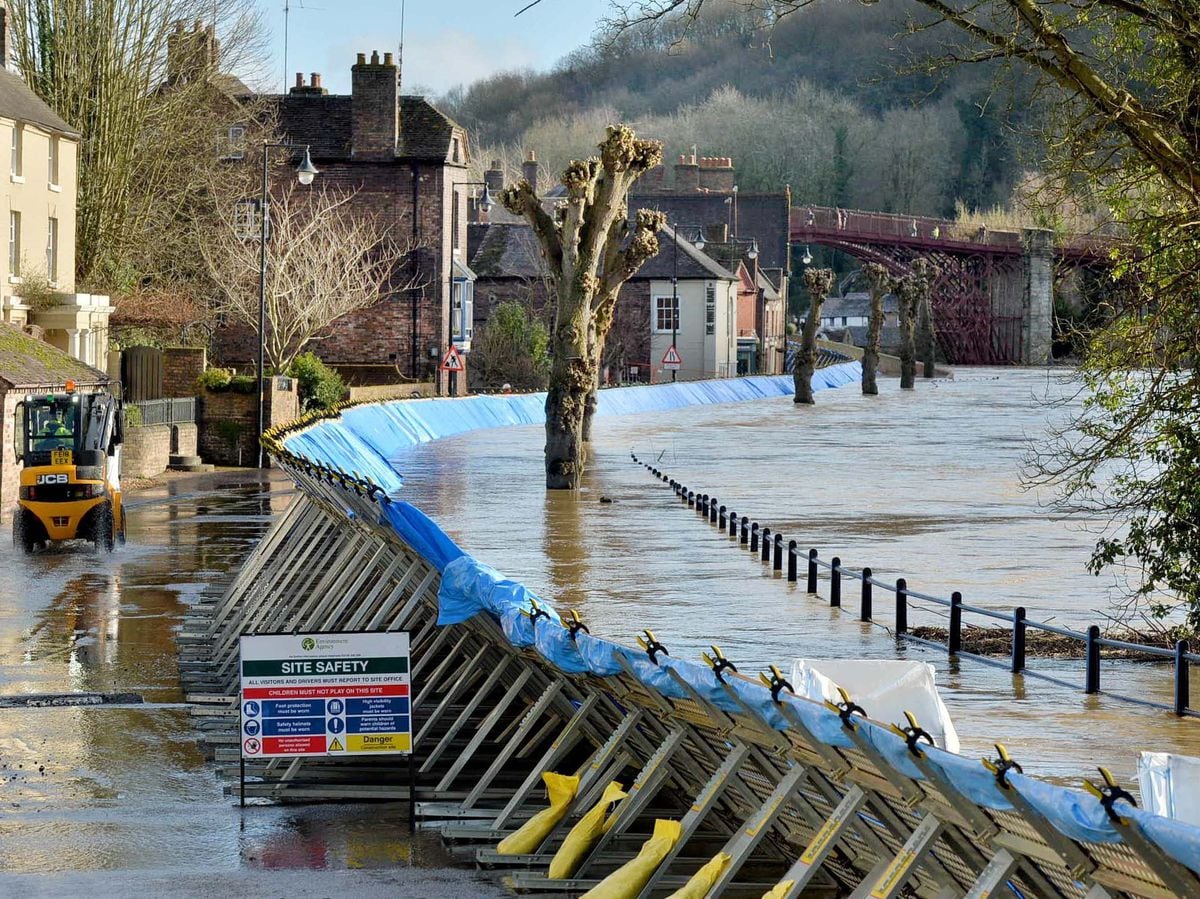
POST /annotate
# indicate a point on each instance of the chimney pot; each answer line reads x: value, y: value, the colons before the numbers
x: 495, y: 166
x: 387, y: 59
x: 299, y: 79
x: 374, y: 57
x: 316, y: 79
x: 531, y: 156
x: 362, y: 59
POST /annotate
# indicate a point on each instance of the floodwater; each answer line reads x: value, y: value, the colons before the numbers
x: 108, y: 800
x: 920, y: 484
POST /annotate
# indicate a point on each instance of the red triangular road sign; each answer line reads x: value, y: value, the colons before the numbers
x: 452, y: 361
x: 671, y: 356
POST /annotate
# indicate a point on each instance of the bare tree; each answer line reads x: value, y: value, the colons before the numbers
x: 925, y: 338
x: 591, y: 249
x: 324, y: 261
x: 154, y: 123
x: 818, y: 281
x: 879, y: 281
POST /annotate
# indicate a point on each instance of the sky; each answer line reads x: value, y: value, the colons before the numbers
x: 447, y: 42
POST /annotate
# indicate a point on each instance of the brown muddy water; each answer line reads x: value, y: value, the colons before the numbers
x: 923, y: 485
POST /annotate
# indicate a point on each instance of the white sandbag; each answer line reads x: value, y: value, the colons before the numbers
x: 1170, y: 785
x: 885, y: 688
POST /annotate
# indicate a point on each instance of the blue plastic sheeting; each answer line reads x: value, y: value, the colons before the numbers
x: 1179, y: 840
x: 422, y: 533
x: 1079, y: 815
x: 371, y: 439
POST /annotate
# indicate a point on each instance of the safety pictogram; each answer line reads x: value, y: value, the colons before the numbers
x: 671, y: 359
x: 453, y: 360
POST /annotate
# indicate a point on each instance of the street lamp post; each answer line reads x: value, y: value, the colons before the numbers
x: 305, y: 173
x: 485, y: 204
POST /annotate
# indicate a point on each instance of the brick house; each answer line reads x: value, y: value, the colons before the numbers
x: 29, y: 365
x: 406, y: 163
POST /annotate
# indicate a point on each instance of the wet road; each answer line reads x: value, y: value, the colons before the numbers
x: 105, y: 800
x: 920, y: 484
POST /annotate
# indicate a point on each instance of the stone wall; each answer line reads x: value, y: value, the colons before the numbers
x: 229, y: 421
x: 9, y: 470
x: 182, y: 365
x: 147, y: 448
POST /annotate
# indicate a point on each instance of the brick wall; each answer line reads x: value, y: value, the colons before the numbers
x: 229, y: 423
x: 9, y: 472
x: 147, y: 448
x: 182, y: 365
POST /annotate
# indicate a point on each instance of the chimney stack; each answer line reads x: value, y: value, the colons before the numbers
x: 375, y: 107
x: 687, y: 175
x: 716, y: 174
x: 529, y: 170
x: 312, y: 89
x: 654, y: 181
x: 6, y: 39
x: 494, y: 177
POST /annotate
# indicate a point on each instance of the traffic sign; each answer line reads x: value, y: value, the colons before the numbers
x: 671, y: 360
x: 316, y: 694
x: 453, y: 360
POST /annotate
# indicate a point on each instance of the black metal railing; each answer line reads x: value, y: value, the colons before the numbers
x: 165, y: 412
x: 780, y: 552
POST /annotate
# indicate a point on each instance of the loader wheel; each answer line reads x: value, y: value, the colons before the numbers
x: 103, y: 535
x: 21, y: 536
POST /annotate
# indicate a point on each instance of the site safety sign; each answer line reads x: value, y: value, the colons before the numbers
x: 453, y: 360
x: 325, y: 694
x: 671, y: 360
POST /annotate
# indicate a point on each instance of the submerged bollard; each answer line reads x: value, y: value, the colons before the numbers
x: 745, y: 529
x: 1018, y: 643
x: 691, y: 500
x: 864, y: 613
x: 954, y: 637
x: 835, y: 582
x: 791, y: 572
x: 1182, y: 688
x: 753, y: 537
x: 1092, y: 684
x: 712, y: 511
x: 901, y: 606
x: 766, y: 545
x: 777, y: 562
x: 733, y: 519
x: 812, y: 571
x: 721, y: 518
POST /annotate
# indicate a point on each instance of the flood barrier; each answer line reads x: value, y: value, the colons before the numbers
x: 776, y: 548
x: 756, y: 787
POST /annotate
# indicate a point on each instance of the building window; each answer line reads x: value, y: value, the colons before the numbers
x: 14, y: 243
x: 18, y: 142
x: 456, y: 149
x: 710, y: 308
x: 462, y: 321
x: 52, y: 251
x: 233, y: 143
x: 666, y: 314
x: 455, y: 219
x: 52, y: 162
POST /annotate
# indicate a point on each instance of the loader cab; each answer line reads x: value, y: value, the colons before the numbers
x: 67, y: 429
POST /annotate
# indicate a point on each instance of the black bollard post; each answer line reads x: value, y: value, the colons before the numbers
x: 812, y: 571
x: 835, y: 582
x: 766, y: 545
x: 691, y: 500
x: 712, y: 511
x: 901, y: 606
x: 745, y: 530
x: 954, y: 639
x: 1092, y: 685
x: 791, y: 572
x: 777, y: 562
x: 754, y: 537
x: 1018, y: 644
x: 733, y: 523
x: 865, y: 612
x: 1183, y: 697
x: 721, y: 518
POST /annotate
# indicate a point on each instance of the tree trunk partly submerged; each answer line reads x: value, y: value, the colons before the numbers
x: 912, y: 290
x: 925, y: 341
x: 817, y: 280
x: 879, y: 281
x: 590, y: 249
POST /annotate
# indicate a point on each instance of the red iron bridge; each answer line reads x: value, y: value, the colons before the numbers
x: 993, y: 299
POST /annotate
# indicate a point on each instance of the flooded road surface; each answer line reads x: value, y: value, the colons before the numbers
x: 108, y: 800
x: 921, y: 484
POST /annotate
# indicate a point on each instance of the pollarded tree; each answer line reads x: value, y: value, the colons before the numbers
x: 818, y: 281
x: 912, y: 290
x: 591, y: 249
x: 879, y: 282
x: 324, y: 261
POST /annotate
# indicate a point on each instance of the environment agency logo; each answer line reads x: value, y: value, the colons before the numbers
x: 308, y: 643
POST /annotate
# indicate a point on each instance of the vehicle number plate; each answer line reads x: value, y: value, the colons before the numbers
x: 60, y: 457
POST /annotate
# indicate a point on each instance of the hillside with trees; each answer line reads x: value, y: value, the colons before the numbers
x: 833, y: 102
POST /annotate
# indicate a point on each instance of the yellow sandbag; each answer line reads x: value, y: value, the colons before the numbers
x: 779, y: 890
x: 704, y: 879
x: 584, y: 834
x: 561, y: 788
x: 627, y: 881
